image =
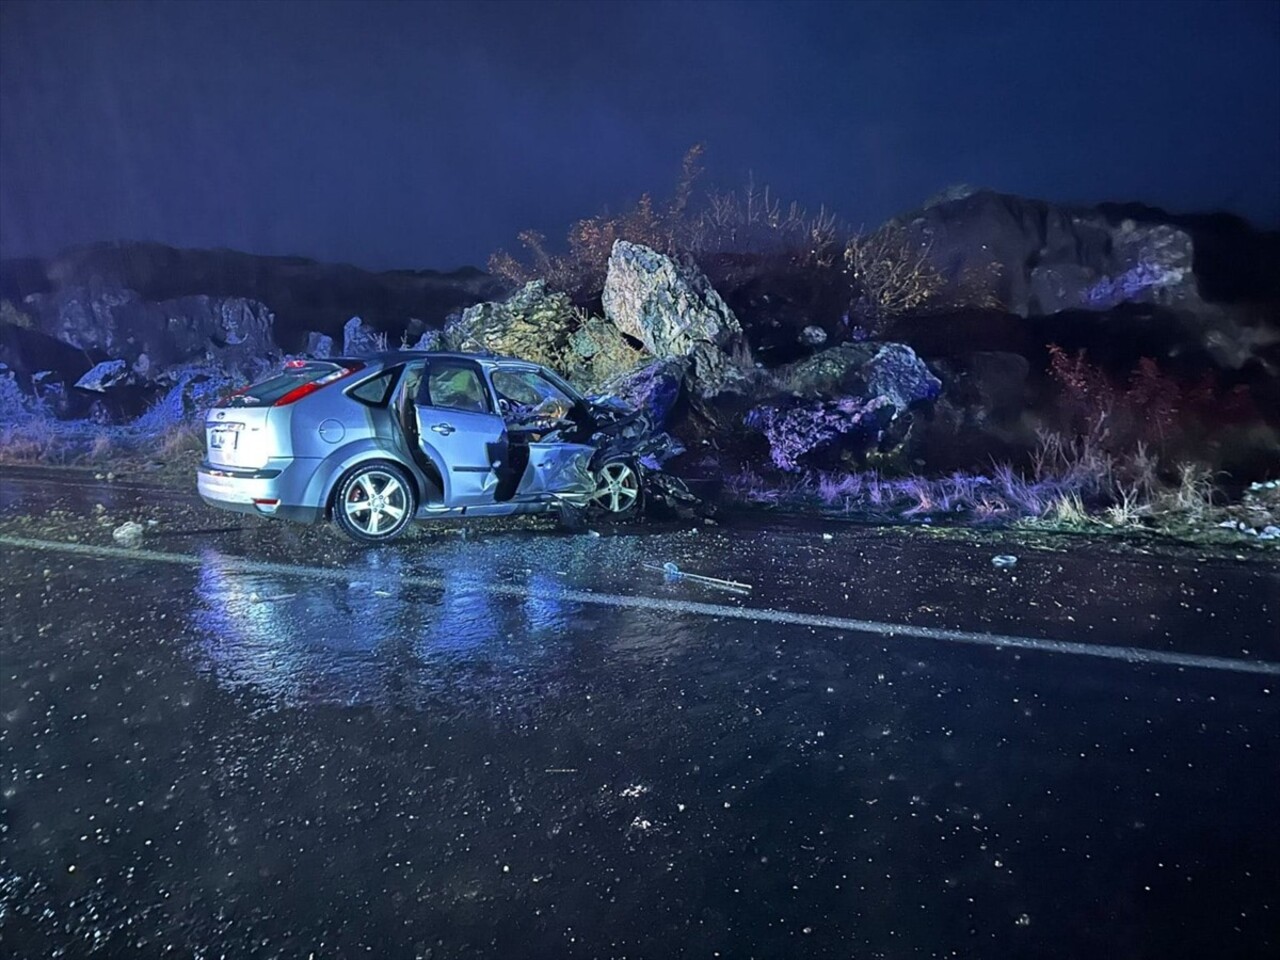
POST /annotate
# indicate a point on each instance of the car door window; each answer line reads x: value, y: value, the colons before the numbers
x: 454, y: 386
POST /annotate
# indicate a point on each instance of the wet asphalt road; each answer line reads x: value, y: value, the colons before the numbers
x: 255, y: 740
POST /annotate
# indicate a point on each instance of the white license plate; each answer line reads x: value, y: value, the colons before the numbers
x: 222, y: 440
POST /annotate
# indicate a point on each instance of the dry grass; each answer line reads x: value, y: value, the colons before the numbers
x: 1068, y: 509
x: 1128, y: 512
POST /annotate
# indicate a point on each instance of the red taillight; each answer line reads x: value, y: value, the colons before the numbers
x: 298, y: 392
x: 294, y: 364
x: 263, y: 502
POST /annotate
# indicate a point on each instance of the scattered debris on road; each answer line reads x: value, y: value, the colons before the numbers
x: 1004, y: 561
x: 129, y: 534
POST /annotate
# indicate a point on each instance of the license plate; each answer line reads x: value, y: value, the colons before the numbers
x: 222, y: 440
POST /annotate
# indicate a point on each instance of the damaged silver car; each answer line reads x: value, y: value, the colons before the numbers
x: 374, y: 443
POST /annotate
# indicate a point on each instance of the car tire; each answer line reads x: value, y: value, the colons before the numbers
x: 619, y: 494
x: 375, y: 502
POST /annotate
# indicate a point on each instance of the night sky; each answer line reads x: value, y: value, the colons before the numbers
x: 425, y: 135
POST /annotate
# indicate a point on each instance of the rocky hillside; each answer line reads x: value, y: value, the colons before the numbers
x: 943, y: 339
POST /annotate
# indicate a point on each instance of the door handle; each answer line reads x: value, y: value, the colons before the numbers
x: 444, y: 429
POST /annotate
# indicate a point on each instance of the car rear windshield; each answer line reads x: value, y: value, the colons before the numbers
x: 268, y: 392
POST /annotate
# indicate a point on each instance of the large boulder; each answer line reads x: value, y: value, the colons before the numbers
x: 667, y: 307
x: 850, y: 400
x: 800, y: 431
x: 890, y: 370
x: 1034, y: 258
x: 673, y: 311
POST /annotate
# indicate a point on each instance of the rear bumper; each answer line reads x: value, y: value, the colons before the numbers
x: 274, y: 491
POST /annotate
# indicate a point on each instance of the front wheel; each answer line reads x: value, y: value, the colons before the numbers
x: 618, y: 493
x: 375, y: 503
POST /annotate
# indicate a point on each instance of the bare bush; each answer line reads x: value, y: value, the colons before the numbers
x: 892, y: 274
x: 694, y: 224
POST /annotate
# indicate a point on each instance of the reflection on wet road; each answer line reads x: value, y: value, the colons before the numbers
x: 387, y: 756
x: 293, y: 640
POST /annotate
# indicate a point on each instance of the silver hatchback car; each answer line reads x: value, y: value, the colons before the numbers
x: 374, y: 443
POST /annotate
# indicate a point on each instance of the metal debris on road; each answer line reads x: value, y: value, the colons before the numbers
x: 1004, y: 560
x: 673, y: 572
x: 258, y: 598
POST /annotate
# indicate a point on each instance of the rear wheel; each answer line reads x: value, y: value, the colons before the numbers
x: 375, y: 503
x: 617, y: 495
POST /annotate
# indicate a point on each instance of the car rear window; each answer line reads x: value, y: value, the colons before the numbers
x: 266, y: 393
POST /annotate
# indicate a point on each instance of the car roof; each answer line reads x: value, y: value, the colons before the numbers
x: 387, y: 358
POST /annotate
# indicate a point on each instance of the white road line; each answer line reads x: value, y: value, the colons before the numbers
x: 754, y: 614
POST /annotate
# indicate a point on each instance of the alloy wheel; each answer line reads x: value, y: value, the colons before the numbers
x: 376, y: 503
x: 617, y: 487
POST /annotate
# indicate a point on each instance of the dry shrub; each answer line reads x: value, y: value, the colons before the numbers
x: 12, y: 315
x: 975, y: 289
x: 101, y: 448
x: 754, y: 220
x: 580, y: 271
x: 691, y: 224
x: 182, y: 438
x: 1098, y: 414
x: 892, y: 274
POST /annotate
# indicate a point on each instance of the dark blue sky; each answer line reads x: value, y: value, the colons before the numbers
x: 425, y: 135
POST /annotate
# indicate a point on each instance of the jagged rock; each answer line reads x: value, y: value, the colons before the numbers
x: 868, y: 369
x: 666, y: 307
x: 653, y: 388
x: 193, y: 389
x: 359, y: 338
x: 429, y: 340
x: 319, y: 345
x: 106, y: 374
x: 533, y: 324
x: 597, y: 352
x: 812, y: 336
x: 799, y: 430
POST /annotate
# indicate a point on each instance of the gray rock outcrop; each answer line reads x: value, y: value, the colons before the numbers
x: 1034, y: 258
